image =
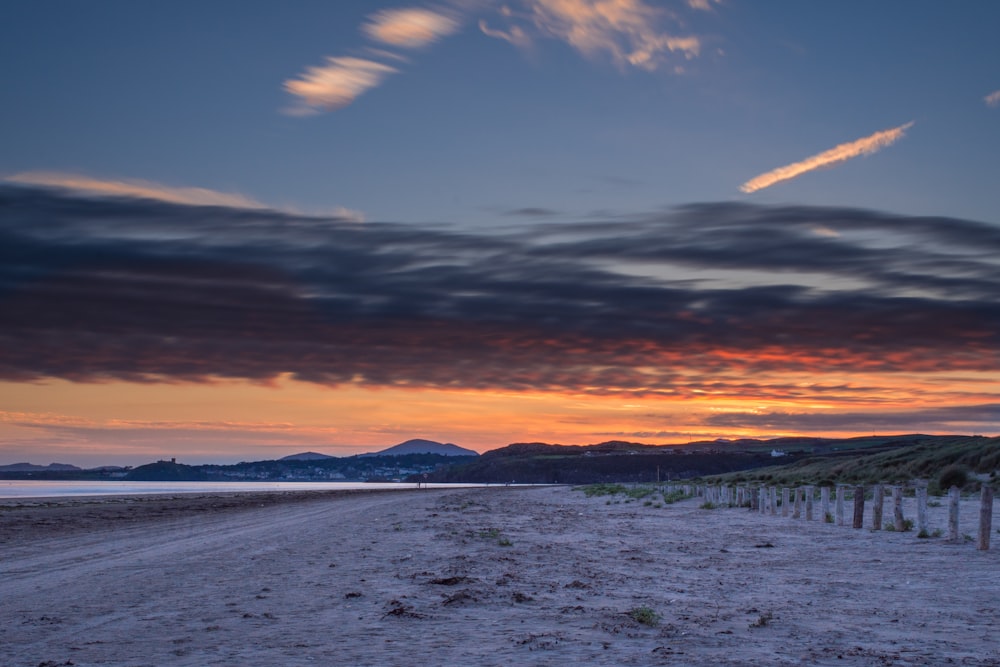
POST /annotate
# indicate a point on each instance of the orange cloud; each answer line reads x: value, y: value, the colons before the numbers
x: 993, y: 99
x: 135, y: 188
x: 336, y: 84
x: 409, y: 28
x: 515, y: 35
x: 625, y: 29
x: 841, y: 153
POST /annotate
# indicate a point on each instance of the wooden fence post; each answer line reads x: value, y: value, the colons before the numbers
x: 824, y: 503
x: 877, y: 503
x: 922, y: 527
x: 785, y: 501
x: 763, y: 500
x: 859, y: 506
x: 754, y: 499
x: 841, y: 492
x: 797, y: 509
x: 773, y: 502
x: 809, y: 503
x: 898, y: 522
x: 954, y: 495
x: 985, y: 517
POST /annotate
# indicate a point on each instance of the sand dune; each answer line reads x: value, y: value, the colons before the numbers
x: 497, y: 576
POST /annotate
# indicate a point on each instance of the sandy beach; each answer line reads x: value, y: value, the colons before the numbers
x: 494, y: 576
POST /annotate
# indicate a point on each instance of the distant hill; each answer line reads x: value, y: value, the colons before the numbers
x: 614, y: 461
x: 896, y: 459
x: 418, y: 446
x: 801, y: 460
x: 166, y: 471
x: 306, y: 456
x: 30, y: 467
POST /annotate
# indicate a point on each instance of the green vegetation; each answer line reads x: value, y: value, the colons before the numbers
x: 673, y: 497
x: 492, y: 534
x: 954, y: 475
x: 592, y: 490
x: 653, y: 495
x: 891, y: 460
x: 645, y: 615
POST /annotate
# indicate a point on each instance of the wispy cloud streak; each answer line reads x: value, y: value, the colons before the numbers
x: 993, y: 99
x: 336, y: 84
x: 409, y: 27
x: 134, y: 188
x: 516, y: 35
x: 841, y: 153
x: 631, y: 32
x: 143, y: 189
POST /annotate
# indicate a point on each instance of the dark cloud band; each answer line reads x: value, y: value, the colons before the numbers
x: 141, y: 290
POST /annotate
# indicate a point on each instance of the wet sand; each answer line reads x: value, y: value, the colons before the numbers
x: 494, y: 576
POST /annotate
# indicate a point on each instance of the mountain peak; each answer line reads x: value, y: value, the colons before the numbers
x: 306, y: 456
x: 420, y: 446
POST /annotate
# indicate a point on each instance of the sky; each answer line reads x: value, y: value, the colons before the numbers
x: 238, y: 230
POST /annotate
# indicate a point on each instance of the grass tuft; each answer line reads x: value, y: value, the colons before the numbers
x: 645, y: 615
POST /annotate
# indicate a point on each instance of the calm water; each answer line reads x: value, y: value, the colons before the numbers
x: 44, y: 489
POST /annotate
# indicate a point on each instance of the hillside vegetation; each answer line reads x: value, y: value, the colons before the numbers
x: 904, y: 459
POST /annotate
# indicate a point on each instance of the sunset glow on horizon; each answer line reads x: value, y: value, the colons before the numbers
x: 474, y: 223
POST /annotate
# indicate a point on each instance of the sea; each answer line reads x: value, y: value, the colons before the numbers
x: 64, y: 489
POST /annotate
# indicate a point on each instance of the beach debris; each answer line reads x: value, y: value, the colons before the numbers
x: 449, y: 581
x: 460, y: 597
x: 398, y: 609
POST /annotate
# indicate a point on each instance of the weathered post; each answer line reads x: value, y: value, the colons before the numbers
x: 898, y: 522
x: 985, y: 517
x: 954, y: 495
x: 773, y: 502
x: 879, y: 500
x: 785, y: 497
x: 824, y: 503
x: 809, y: 503
x: 797, y: 510
x: 859, y: 506
x: 923, y: 529
x: 763, y: 500
x: 841, y: 492
x: 754, y: 500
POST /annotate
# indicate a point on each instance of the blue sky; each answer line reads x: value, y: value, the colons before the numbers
x: 242, y: 229
x: 191, y: 94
